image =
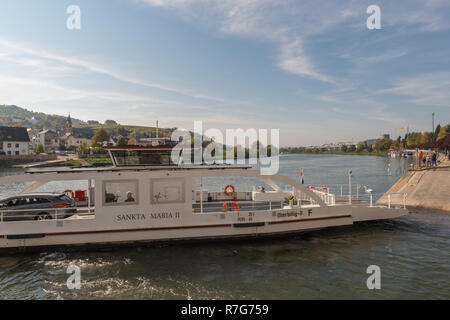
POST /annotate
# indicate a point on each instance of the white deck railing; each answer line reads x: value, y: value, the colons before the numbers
x: 55, y: 213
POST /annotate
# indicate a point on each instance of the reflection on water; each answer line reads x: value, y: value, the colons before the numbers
x: 411, y: 251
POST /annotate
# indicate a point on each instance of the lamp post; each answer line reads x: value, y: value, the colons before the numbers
x: 350, y: 186
x: 432, y: 124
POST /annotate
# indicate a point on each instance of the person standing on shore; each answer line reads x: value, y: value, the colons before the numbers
x: 428, y: 160
x: 433, y: 159
x: 420, y: 158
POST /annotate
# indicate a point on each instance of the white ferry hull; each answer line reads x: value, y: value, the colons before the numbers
x: 147, y: 221
x: 187, y: 233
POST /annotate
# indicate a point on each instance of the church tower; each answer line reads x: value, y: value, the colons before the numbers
x: 69, y: 125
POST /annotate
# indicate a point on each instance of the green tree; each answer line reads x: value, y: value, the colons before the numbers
x: 413, y: 138
x: 83, y: 148
x: 40, y: 148
x: 360, y: 147
x: 62, y: 145
x: 443, y: 132
x: 132, y: 141
x: 352, y: 148
x: 383, y: 144
x: 344, y: 148
x: 99, y: 137
x: 122, y: 141
x: 436, y: 132
x: 427, y: 137
x: 110, y: 122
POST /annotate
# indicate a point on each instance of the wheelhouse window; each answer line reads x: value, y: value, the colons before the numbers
x: 120, y: 192
x: 142, y: 157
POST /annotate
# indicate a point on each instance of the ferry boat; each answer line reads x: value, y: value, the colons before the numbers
x: 145, y: 197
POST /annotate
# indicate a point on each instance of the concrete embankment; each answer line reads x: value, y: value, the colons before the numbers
x: 12, y: 160
x: 426, y: 188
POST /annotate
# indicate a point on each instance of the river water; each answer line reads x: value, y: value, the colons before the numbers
x: 412, y: 253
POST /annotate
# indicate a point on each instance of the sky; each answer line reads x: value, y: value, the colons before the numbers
x: 311, y: 69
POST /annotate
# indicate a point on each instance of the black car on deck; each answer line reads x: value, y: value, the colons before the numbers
x: 37, y: 206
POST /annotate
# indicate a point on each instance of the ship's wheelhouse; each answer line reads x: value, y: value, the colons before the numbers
x: 143, y: 156
x: 150, y: 152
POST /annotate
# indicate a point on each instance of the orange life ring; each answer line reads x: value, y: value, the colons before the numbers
x: 228, y: 203
x: 228, y: 193
x: 71, y: 192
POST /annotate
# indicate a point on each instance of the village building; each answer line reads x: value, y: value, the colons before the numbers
x: 49, y: 139
x: 14, y: 141
x: 75, y: 137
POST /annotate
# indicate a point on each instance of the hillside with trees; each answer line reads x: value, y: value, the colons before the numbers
x: 11, y: 115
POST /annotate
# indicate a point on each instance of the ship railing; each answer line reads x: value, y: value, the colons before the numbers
x: 328, y: 198
x: 253, y: 205
x: 56, y: 214
x: 340, y: 190
x: 357, y: 194
x: 392, y: 199
x: 403, y: 196
x: 322, y: 192
x: 344, y: 193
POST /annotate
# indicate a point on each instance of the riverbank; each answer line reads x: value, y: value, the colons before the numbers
x: 55, y: 161
x: 427, y: 187
x: 13, y: 160
x: 351, y: 153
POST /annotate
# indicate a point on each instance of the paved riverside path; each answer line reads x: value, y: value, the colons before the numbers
x: 42, y: 163
x: 83, y: 162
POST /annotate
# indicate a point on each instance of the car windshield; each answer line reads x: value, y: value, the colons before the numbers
x: 63, y: 197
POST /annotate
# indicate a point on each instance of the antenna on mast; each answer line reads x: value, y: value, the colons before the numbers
x: 432, y: 123
x: 157, y: 129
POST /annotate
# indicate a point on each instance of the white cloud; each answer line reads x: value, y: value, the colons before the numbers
x: 290, y: 24
x: 328, y: 99
x: 284, y: 23
x: 40, y: 58
x: 430, y: 89
x: 293, y: 60
x: 372, y: 110
x: 383, y: 57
